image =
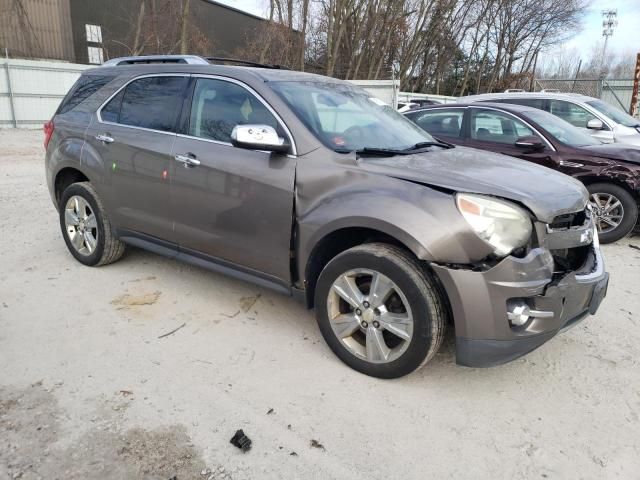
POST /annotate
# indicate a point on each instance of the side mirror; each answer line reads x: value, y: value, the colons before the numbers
x: 595, y: 124
x: 258, y: 137
x: 531, y: 143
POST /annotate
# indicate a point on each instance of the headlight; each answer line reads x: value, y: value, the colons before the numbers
x: 501, y: 224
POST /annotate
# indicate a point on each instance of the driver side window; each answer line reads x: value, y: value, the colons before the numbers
x: 498, y: 127
x: 440, y: 122
x: 218, y: 106
x: 570, y: 112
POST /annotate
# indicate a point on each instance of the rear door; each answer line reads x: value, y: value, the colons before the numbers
x: 232, y: 204
x: 497, y: 131
x: 132, y: 135
x: 442, y: 123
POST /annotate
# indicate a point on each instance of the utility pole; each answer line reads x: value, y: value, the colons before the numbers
x: 633, y: 109
x: 609, y: 22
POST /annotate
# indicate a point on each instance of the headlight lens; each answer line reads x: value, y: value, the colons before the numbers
x: 501, y: 224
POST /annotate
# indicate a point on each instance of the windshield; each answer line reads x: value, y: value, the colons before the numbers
x: 614, y: 113
x: 562, y: 131
x: 347, y: 118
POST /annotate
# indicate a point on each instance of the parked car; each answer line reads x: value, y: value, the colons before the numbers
x: 611, y: 173
x: 599, y: 119
x: 308, y: 185
x: 406, y: 106
x: 415, y: 103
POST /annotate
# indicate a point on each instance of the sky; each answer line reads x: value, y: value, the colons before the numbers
x: 626, y: 37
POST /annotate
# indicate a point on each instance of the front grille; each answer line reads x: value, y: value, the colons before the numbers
x: 568, y: 220
x: 570, y: 259
x: 565, y: 233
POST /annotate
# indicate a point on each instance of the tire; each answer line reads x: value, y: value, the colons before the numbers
x: 349, y: 327
x: 599, y: 193
x: 86, y: 229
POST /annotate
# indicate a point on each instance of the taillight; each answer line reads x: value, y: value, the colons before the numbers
x: 48, y: 131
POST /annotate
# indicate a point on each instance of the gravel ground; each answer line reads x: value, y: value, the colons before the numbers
x: 88, y: 390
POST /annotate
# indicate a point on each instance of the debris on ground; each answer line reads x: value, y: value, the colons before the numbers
x: 634, y: 247
x: 270, y: 411
x: 172, y: 331
x: 127, y: 300
x: 316, y: 444
x: 241, y: 441
x: 231, y: 316
x: 247, y: 302
x: 293, y: 454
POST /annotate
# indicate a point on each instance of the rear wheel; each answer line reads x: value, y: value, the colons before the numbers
x: 379, y: 311
x: 615, y: 211
x: 86, y: 228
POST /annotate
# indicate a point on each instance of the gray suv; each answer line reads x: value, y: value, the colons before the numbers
x: 311, y: 187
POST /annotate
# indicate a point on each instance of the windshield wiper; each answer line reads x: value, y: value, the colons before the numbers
x: 420, y: 145
x: 379, y: 152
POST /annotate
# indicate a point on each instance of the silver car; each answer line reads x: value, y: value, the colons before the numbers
x: 603, y: 121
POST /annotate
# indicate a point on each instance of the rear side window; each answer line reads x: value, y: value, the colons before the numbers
x: 84, y: 88
x: 152, y: 103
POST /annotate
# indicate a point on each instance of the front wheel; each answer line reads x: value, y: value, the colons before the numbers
x: 615, y: 211
x: 379, y: 311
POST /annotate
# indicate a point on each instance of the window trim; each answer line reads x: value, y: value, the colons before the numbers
x: 114, y: 94
x: 183, y: 135
x: 535, y: 130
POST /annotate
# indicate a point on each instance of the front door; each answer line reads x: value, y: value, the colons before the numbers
x: 132, y: 136
x: 232, y: 204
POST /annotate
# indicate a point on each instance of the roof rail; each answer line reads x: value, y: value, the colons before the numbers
x: 515, y: 90
x: 143, y: 59
x: 245, y: 62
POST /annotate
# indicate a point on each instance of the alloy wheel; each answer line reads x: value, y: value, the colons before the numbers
x: 607, y: 211
x: 370, y: 315
x: 81, y: 225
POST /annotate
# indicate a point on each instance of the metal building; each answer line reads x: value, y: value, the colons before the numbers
x: 90, y: 31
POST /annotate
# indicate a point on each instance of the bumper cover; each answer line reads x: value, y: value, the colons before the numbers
x: 478, y: 301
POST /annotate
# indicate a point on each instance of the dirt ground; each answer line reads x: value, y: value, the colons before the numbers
x: 88, y: 390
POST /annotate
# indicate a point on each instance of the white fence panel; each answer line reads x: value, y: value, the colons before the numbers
x: 385, y: 90
x: 34, y: 89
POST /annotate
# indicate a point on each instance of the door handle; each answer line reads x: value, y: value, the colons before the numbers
x: 104, y: 138
x: 187, y: 160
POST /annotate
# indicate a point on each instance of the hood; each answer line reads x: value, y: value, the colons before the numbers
x: 545, y: 192
x: 615, y: 151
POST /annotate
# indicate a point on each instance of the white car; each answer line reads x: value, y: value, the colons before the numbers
x: 406, y: 106
x: 603, y: 121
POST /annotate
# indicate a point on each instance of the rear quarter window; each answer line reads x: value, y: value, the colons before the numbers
x: 82, y: 90
x: 150, y: 102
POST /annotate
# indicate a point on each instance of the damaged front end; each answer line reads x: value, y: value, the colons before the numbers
x: 516, y: 304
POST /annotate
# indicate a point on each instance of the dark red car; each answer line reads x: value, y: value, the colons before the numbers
x: 610, y: 172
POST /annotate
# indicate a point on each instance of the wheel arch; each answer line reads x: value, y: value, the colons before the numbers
x: 65, y: 177
x: 620, y: 182
x: 339, y: 240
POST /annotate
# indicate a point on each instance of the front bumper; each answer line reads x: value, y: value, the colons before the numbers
x: 479, y: 302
